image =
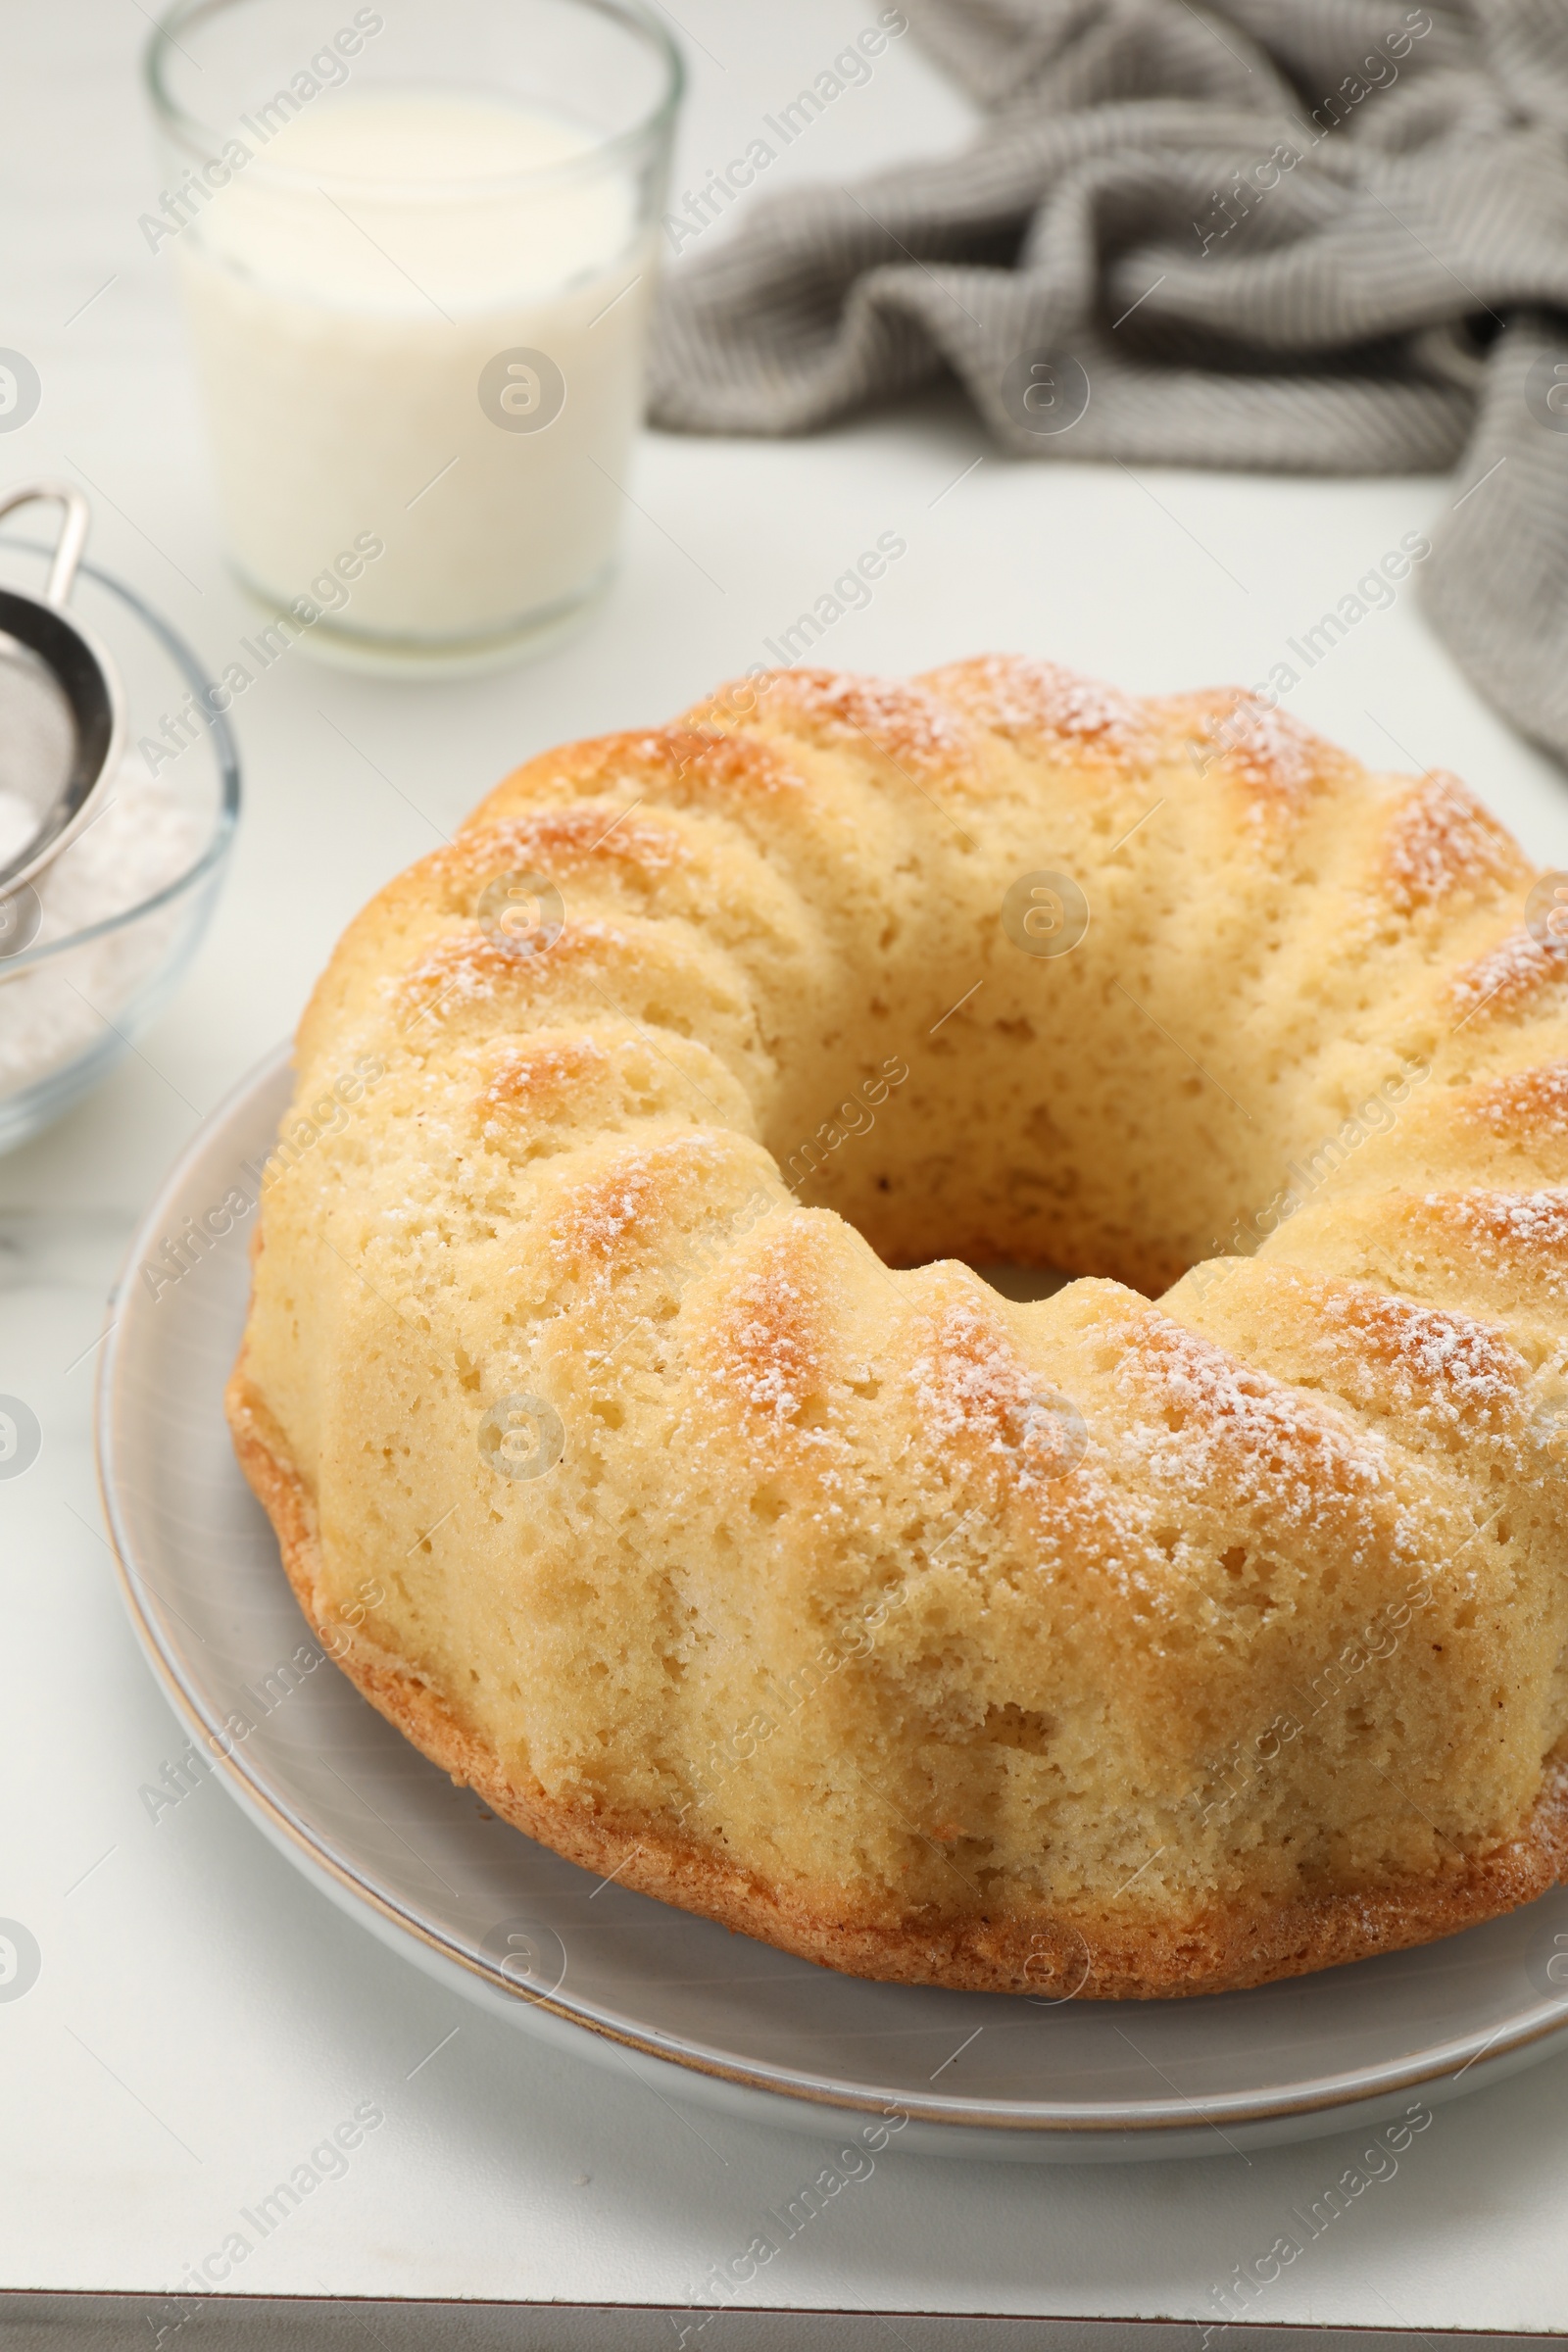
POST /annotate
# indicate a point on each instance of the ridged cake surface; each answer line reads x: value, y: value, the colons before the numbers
x: 639, y: 1435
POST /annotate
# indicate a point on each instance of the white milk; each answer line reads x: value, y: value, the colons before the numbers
x: 342, y: 325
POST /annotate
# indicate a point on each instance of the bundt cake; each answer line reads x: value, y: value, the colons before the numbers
x: 1201, y: 1624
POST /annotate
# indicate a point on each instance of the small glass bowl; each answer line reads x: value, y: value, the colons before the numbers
x: 72, y: 1002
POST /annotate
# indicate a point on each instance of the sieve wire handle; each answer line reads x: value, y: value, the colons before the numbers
x: 73, y: 537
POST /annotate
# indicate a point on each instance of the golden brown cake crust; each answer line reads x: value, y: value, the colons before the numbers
x: 1108, y: 1645
x: 1217, y: 1951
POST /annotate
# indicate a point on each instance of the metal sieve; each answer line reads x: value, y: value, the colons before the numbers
x: 61, y: 714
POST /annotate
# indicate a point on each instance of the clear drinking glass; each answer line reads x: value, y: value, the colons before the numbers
x: 417, y: 245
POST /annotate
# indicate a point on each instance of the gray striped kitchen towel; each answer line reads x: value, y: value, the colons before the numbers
x: 1326, y: 235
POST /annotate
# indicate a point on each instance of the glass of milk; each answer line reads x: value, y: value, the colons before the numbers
x: 416, y: 243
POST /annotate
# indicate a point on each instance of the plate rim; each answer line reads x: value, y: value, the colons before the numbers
x: 1488, y: 2055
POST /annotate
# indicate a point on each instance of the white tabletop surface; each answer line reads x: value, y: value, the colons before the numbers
x: 202, y: 2017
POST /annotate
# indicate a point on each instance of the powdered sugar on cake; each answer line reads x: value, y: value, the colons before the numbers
x: 1441, y: 842
x: 1025, y: 699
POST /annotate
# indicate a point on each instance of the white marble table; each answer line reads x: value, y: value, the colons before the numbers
x: 202, y: 2019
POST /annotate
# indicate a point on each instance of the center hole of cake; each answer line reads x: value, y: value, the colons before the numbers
x: 1024, y: 1283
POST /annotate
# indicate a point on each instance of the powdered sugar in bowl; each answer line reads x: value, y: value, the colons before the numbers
x: 95, y: 948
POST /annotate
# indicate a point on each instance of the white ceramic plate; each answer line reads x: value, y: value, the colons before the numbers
x: 693, y: 2008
